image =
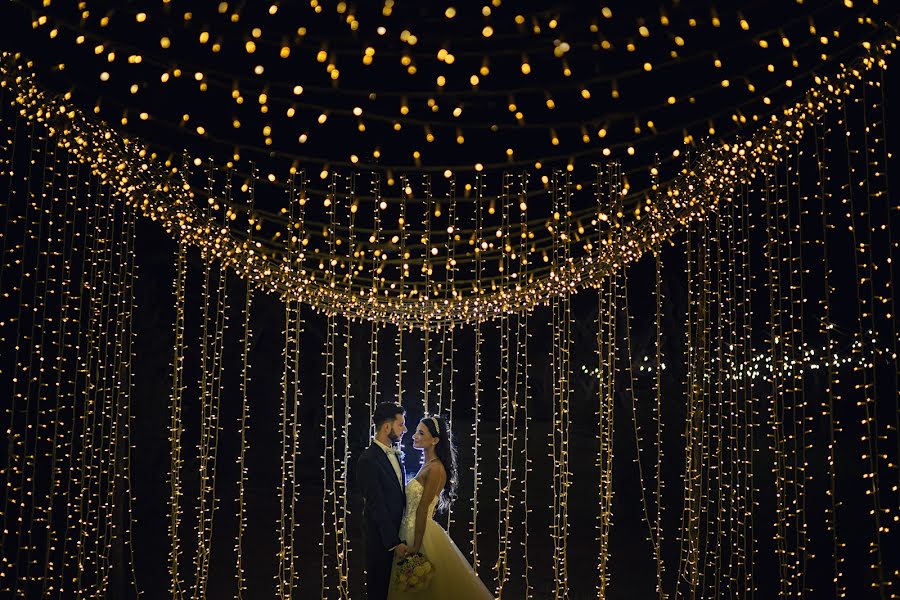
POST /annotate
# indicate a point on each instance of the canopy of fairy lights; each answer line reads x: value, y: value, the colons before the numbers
x: 409, y: 175
x: 419, y: 241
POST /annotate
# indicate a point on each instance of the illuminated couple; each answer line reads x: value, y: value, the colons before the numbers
x: 406, y: 548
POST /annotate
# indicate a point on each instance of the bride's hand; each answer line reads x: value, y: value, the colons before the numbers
x: 413, y: 550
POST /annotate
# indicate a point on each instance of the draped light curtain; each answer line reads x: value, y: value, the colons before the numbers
x: 761, y: 433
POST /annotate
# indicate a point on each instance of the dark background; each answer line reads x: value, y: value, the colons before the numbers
x: 631, y: 564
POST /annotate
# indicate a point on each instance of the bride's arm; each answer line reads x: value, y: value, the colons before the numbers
x: 434, y: 481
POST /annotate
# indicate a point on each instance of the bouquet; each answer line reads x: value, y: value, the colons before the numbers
x: 413, y: 573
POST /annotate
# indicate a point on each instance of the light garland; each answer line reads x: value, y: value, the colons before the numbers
x: 865, y: 321
x: 68, y: 236
x: 506, y: 439
x: 175, y: 426
x: 723, y: 505
x: 523, y: 396
x: 476, y: 384
x: 244, y: 419
x: 304, y: 100
x: 289, y: 417
x: 634, y: 239
x: 608, y: 188
x: 825, y: 327
x: 657, y: 532
x: 206, y: 493
x: 561, y: 327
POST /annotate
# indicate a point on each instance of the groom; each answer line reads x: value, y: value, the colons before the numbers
x: 382, y: 480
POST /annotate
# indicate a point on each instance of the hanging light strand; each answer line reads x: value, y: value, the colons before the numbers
x: 205, y: 385
x: 822, y: 150
x: 244, y: 418
x: 523, y: 395
x: 175, y: 426
x: 860, y: 227
x: 504, y: 449
x: 476, y: 385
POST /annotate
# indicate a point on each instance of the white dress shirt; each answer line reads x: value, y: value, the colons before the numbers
x: 393, y: 458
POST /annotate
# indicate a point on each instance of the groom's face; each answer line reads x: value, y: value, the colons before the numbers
x: 398, y: 428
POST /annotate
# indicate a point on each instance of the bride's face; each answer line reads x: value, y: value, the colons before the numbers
x: 422, y: 438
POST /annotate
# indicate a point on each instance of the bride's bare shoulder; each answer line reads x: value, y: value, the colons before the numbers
x: 437, y: 470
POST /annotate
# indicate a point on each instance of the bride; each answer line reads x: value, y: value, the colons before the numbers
x: 435, y: 486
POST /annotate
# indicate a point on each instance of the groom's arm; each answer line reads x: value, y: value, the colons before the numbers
x: 376, y: 505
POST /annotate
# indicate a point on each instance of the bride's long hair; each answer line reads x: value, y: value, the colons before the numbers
x: 445, y: 450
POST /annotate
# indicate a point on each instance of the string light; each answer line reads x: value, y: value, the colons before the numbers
x: 446, y: 391
x: 244, y: 419
x: 505, y: 431
x: 867, y: 374
x: 374, y: 240
x: 529, y: 295
x: 828, y: 403
x: 717, y: 532
x: 344, y: 538
x: 290, y: 423
x: 206, y: 498
x: 175, y: 426
x: 522, y: 370
x: 561, y: 328
x: 608, y: 196
x: 476, y: 384
x: 82, y: 30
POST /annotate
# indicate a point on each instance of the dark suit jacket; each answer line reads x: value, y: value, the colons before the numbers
x: 384, y: 497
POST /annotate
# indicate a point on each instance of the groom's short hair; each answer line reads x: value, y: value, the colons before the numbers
x: 386, y: 411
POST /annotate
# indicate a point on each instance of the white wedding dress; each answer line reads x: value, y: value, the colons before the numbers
x: 454, y: 578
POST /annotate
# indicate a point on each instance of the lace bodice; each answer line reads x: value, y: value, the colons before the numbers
x: 414, y: 490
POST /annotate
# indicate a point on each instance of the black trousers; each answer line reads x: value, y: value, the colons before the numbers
x: 378, y: 570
